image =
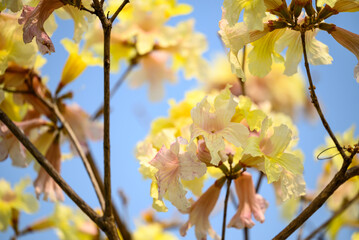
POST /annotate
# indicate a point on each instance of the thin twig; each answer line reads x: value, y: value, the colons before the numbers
x: 114, y: 16
x: 316, y: 102
x: 108, y: 218
x: 229, y: 181
x: 259, y: 181
x: 54, y: 109
x: 339, y: 178
x: 114, y: 89
x: 243, y: 87
x: 51, y: 170
x: 336, y: 214
x: 120, y: 224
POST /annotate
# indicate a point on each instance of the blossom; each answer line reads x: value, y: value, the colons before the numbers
x: 34, y: 19
x: 12, y: 47
x: 154, y: 231
x: 13, y: 5
x: 235, y: 38
x: 318, y: 52
x: 200, y: 211
x: 269, y: 153
x: 215, y: 125
x: 46, y: 184
x: 155, y: 71
x: 10, y: 146
x: 72, y: 224
x: 83, y: 127
x: 188, y: 50
x: 250, y: 203
x: 348, y: 40
x: 76, y: 63
x: 148, y: 29
x: 16, y: 199
x: 173, y: 165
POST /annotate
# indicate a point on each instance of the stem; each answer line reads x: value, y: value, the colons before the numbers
x: 316, y: 103
x: 118, y: 84
x: 340, y: 177
x: 54, y: 109
x: 243, y: 87
x: 258, y: 185
x: 246, y: 233
x: 114, y: 16
x: 51, y: 170
x: 229, y: 181
x: 336, y: 214
x: 120, y: 224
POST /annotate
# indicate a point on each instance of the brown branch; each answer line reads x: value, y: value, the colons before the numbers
x: 114, y: 89
x: 336, y: 214
x: 316, y: 102
x: 114, y: 16
x: 54, y: 109
x: 120, y: 224
x: 51, y: 170
x: 339, y: 178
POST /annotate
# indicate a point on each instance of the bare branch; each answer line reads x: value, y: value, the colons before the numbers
x: 114, y: 16
x: 51, y: 170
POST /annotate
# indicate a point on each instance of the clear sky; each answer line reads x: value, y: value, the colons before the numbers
x: 132, y: 114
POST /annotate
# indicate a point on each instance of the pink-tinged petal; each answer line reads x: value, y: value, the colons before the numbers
x: 34, y: 19
x: 190, y: 166
x: 250, y: 203
x: 44, y: 183
x: 167, y: 164
x: 172, y: 165
x: 200, y: 211
x: 18, y: 155
x: 203, y: 153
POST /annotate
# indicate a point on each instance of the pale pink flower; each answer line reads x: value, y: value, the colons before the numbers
x: 214, y: 124
x: 200, y: 211
x: 350, y: 41
x: 10, y: 146
x: 46, y: 184
x: 173, y: 165
x: 34, y: 19
x: 154, y: 71
x: 83, y: 127
x: 249, y: 203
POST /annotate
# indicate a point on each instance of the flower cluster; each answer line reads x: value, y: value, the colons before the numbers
x: 225, y: 136
x: 271, y: 26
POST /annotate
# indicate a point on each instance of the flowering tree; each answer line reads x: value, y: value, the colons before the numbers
x: 240, y: 122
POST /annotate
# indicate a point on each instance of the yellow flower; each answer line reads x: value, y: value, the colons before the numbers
x: 12, y: 47
x: 76, y: 63
x: 153, y: 231
x: 15, y: 199
x: 214, y: 124
x: 269, y: 153
x: 13, y: 5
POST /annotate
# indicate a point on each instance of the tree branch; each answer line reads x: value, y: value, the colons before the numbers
x: 51, y: 170
x: 114, y: 89
x: 336, y: 214
x: 54, y: 109
x: 114, y: 16
x: 316, y: 103
x: 339, y: 178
